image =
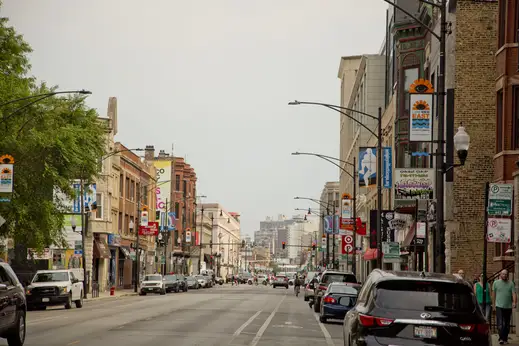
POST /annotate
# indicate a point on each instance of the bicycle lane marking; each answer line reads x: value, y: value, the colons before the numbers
x: 265, y: 325
x: 327, y: 336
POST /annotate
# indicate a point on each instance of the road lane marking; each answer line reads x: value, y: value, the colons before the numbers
x: 73, y: 343
x: 327, y: 335
x: 43, y: 320
x: 265, y: 325
x: 243, y: 326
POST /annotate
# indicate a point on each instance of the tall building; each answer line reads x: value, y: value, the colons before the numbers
x: 301, y: 234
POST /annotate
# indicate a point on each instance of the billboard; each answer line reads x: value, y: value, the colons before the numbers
x: 387, y: 230
x: 420, y: 119
x: 368, y: 167
x: 163, y: 187
x: 414, y: 183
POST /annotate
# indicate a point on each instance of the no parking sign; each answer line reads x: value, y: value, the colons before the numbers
x: 347, y: 244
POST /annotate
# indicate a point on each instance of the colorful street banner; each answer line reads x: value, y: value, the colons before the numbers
x: 414, y: 183
x: 387, y: 230
x: 368, y: 167
x: 163, y: 186
x: 328, y: 224
x: 421, y: 110
x: 171, y: 221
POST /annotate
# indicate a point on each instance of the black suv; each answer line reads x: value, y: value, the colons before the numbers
x: 13, y: 307
x: 412, y: 308
x: 175, y: 283
x: 326, y: 278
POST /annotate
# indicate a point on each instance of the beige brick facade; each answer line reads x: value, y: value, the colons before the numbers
x: 476, y: 37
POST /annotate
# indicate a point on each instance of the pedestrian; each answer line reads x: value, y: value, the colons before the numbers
x: 478, y: 289
x: 504, y: 300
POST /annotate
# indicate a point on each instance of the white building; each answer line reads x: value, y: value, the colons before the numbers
x: 301, y: 234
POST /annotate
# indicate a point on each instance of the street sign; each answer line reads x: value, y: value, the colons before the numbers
x: 323, y: 244
x: 499, y: 230
x: 152, y: 229
x: 500, y: 197
x: 347, y: 244
x: 391, y: 250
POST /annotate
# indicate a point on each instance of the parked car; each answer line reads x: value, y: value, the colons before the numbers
x: 192, y: 283
x: 218, y: 280
x: 13, y: 310
x: 202, y: 281
x: 404, y: 308
x: 338, y: 299
x: 54, y: 287
x: 152, y: 283
x: 175, y: 283
x: 327, y: 278
x: 280, y: 280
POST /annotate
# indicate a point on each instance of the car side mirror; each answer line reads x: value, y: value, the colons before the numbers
x: 75, y: 281
x: 3, y: 287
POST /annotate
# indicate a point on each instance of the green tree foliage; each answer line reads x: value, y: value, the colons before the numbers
x: 53, y: 141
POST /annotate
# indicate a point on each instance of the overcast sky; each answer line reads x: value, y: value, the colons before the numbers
x: 212, y: 78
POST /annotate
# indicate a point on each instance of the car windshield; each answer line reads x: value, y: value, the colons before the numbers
x: 51, y: 277
x: 153, y: 278
x: 170, y: 277
x: 342, y: 289
x: 425, y: 296
x: 338, y: 277
x: 200, y: 277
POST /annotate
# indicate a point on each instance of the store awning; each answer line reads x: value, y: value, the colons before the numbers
x: 101, y: 249
x: 125, y: 251
x: 370, y: 254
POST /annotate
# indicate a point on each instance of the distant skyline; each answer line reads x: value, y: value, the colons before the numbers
x: 212, y: 78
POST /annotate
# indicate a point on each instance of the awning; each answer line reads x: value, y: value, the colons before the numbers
x: 370, y: 254
x: 101, y: 249
x: 125, y: 251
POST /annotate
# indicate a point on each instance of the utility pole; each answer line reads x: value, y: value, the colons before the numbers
x: 137, y: 246
x: 379, y: 190
x: 439, y: 241
x: 201, y: 238
x: 354, y: 258
x: 84, y: 224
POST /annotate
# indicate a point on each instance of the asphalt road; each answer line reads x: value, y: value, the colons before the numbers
x: 224, y: 315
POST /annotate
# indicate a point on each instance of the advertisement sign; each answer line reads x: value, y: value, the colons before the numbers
x: 33, y: 254
x: 163, y: 189
x: 387, y: 230
x: 6, y: 178
x: 328, y: 224
x: 74, y: 206
x: 347, y: 244
x: 323, y: 242
x: 414, y: 183
x: 151, y: 229
x: 368, y: 167
x: 420, y: 118
x: 420, y: 229
x: 172, y: 221
x: 346, y: 208
x: 499, y: 230
x: 144, y: 218
x: 188, y: 236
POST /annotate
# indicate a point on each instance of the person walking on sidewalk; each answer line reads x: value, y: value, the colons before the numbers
x: 478, y: 289
x: 505, y: 299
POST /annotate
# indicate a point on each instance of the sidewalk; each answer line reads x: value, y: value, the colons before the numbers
x: 118, y: 293
x: 512, y: 341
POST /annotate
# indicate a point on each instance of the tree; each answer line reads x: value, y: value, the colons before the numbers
x: 53, y: 142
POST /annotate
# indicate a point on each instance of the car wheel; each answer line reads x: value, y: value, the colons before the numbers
x: 306, y: 298
x: 286, y: 287
x: 16, y: 337
x: 163, y: 292
x: 322, y: 319
x: 69, y: 302
x: 79, y: 302
x: 317, y: 304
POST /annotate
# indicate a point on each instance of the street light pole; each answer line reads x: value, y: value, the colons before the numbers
x: 379, y: 190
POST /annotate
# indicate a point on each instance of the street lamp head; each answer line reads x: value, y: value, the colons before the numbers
x: 462, y: 143
x: 296, y: 153
x: 84, y: 92
x: 294, y: 103
x: 297, y: 197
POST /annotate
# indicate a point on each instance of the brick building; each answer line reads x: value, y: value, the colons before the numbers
x: 136, y: 190
x: 181, y: 201
x: 507, y: 104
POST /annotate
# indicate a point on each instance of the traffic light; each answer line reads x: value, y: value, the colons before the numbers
x: 313, y: 246
x: 283, y: 244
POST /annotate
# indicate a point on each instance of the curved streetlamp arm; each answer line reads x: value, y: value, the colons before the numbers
x: 295, y: 103
x: 355, y: 120
x: 84, y: 92
x: 321, y: 203
x: 336, y: 165
x: 120, y: 151
x: 328, y: 157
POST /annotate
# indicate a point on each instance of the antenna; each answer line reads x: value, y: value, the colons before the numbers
x: 172, y: 149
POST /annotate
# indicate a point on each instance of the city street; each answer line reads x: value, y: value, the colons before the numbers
x: 224, y: 315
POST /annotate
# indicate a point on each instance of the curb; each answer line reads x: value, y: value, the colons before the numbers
x: 112, y: 297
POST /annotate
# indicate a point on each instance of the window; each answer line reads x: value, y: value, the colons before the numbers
x: 99, y: 201
x: 499, y: 123
x: 184, y: 189
x: 134, y: 225
x: 424, y: 296
x: 515, y: 112
x: 139, y: 192
x: 329, y: 278
x: 127, y: 186
x: 177, y: 183
x: 502, y: 23
x: 177, y: 209
x: 120, y: 224
x: 4, y: 278
x: 132, y: 190
x: 121, y: 185
x: 126, y: 223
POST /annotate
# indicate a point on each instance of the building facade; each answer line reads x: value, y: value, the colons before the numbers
x: 329, y: 205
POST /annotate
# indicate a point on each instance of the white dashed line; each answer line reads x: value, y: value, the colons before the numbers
x: 243, y: 326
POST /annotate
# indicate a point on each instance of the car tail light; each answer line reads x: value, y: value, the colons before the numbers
x: 329, y: 300
x: 323, y: 288
x: 370, y: 321
x: 478, y: 328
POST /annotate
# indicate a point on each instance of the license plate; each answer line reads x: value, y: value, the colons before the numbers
x: 45, y: 300
x: 150, y: 289
x: 425, y: 332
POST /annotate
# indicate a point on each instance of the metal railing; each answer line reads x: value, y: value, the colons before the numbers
x: 95, y: 289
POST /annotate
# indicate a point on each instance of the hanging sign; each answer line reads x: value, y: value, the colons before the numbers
x: 347, y: 244
x: 6, y: 177
x: 188, y: 236
x: 499, y: 230
x: 144, y: 217
x: 152, y: 229
x: 421, y: 110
